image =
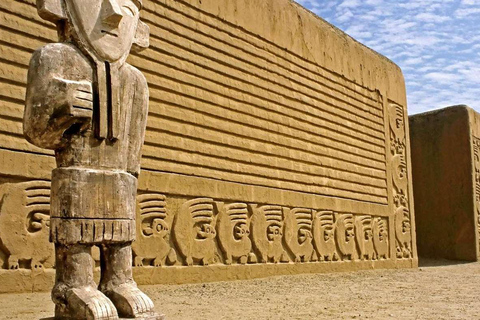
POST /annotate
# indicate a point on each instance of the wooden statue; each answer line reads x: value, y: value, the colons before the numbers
x: 90, y: 106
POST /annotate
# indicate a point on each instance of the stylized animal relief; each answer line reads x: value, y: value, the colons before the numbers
x: 397, y: 128
x: 298, y: 233
x: 153, y: 231
x: 324, y: 235
x: 233, y: 228
x: 398, y: 151
x: 25, y: 224
x: 380, y: 237
x: 403, y: 232
x: 364, y: 235
x: 345, y: 235
x: 267, y: 232
x: 194, y: 231
x: 476, y: 161
x: 399, y: 167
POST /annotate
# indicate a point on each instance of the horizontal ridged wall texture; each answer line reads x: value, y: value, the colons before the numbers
x: 254, y: 101
x: 233, y: 106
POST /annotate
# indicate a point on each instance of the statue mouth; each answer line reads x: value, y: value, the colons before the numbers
x: 110, y: 33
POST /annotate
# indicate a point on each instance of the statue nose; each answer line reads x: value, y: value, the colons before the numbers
x: 112, y: 13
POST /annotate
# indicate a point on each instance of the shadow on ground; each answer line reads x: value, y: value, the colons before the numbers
x: 429, y: 262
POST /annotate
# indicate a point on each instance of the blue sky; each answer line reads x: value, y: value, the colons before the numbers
x: 435, y: 42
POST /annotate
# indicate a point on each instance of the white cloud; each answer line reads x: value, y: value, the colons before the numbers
x: 435, y: 42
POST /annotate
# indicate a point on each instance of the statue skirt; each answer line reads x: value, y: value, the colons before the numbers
x: 92, y: 206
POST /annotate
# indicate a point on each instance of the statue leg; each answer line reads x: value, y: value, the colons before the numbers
x: 117, y: 283
x: 75, y: 293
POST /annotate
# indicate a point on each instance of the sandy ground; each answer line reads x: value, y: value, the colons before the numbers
x: 437, y: 290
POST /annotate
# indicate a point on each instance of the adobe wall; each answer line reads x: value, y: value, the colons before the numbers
x: 446, y: 182
x: 276, y: 144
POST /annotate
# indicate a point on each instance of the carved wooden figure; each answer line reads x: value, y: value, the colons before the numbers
x: 86, y: 103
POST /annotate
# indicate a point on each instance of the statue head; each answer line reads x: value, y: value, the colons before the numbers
x: 108, y: 29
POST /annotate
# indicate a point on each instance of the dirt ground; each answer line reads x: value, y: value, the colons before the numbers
x: 437, y: 290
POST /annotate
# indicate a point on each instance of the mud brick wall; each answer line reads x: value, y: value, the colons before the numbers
x: 446, y: 172
x: 276, y: 144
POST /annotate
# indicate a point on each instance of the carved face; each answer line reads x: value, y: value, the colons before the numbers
x: 274, y: 232
x: 304, y: 235
x: 349, y: 234
x: 327, y: 234
x: 206, y: 231
x: 157, y: 227
x: 368, y: 235
x: 406, y: 226
x: 107, y: 26
x: 160, y: 228
x: 382, y: 235
x: 241, y: 231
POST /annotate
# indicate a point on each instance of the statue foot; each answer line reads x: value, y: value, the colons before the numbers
x: 131, y: 302
x: 85, y: 303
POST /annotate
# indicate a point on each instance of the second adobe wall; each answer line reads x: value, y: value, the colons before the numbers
x: 446, y: 182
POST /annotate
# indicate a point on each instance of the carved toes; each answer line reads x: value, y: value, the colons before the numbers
x: 243, y: 260
x: 130, y: 301
x: 172, y: 257
x: 252, y: 258
x: 86, y: 304
x: 36, y: 265
x: 13, y: 263
x: 138, y: 261
x: 157, y: 262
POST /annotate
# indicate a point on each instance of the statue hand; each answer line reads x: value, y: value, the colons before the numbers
x: 75, y: 115
x: 80, y: 98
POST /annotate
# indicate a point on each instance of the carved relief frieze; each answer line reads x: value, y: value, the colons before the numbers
x: 153, y: 231
x: 233, y: 229
x: 267, y: 232
x: 298, y: 234
x: 174, y: 231
x: 25, y: 224
x: 364, y: 237
x: 345, y: 235
x: 194, y: 231
x: 476, y: 161
x: 399, y: 175
x: 380, y: 237
x: 324, y: 236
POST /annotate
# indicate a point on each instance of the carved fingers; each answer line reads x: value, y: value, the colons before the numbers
x: 81, y: 95
x: 76, y: 110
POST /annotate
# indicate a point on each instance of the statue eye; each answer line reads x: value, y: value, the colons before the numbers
x: 130, y: 9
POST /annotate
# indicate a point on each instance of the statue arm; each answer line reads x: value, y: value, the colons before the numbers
x: 55, y: 107
x: 138, y: 124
